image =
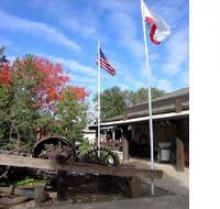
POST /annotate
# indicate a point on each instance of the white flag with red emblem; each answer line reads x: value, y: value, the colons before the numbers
x: 159, y: 30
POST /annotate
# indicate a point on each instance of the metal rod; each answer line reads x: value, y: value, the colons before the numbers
x: 147, y: 63
x: 99, y: 92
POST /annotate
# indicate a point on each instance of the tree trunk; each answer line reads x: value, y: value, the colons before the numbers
x: 18, y: 137
x: 13, y: 126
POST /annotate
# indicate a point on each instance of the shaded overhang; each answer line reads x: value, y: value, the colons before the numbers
x: 172, y: 115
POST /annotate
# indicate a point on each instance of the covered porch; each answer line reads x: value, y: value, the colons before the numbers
x: 129, y: 133
x: 131, y: 138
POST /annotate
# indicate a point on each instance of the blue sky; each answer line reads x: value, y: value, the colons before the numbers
x: 67, y: 31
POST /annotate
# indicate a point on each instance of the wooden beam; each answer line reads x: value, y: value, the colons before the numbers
x: 20, y: 161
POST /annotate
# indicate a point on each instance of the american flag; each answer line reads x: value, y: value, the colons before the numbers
x: 105, y: 64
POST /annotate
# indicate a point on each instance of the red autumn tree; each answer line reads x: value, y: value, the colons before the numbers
x: 80, y: 93
x: 43, y: 79
x: 36, y: 88
x: 5, y: 73
x: 51, y: 83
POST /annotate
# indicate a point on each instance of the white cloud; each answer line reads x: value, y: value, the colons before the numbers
x: 154, y: 56
x: 171, y: 11
x: 177, y: 52
x: 80, y: 75
x: 125, y: 76
x: 75, y: 67
x: 116, y: 5
x: 125, y: 28
x: 86, y: 22
x: 164, y: 84
x: 39, y: 29
x: 85, y: 29
x: 86, y: 25
x: 4, y: 42
x: 184, y: 78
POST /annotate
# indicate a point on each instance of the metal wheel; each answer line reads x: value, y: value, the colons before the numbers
x: 102, y: 156
x: 49, y: 147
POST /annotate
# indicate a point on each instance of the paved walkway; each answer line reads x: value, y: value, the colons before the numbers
x: 168, y: 202
x: 174, y: 181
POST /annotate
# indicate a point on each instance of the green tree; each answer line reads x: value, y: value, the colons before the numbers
x: 141, y: 95
x: 33, y: 98
x: 5, y: 97
x: 71, y: 116
x: 128, y: 96
x: 112, y: 102
x: 3, y: 59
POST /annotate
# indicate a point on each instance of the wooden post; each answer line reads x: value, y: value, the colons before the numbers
x: 61, y: 185
x: 96, y: 137
x: 178, y: 105
x: 180, y: 157
x: 40, y: 195
x: 125, y: 149
x: 125, y: 143
x: 136, y: 187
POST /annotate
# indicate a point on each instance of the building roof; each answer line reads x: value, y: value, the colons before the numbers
x: 172, y: 105
x: 163, y: 104
x: 171, y: 115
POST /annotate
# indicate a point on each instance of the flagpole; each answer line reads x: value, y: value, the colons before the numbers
x: 147, y: 63
x: 99, y: 91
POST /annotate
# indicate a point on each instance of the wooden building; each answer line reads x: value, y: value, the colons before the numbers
x: 171, y: 130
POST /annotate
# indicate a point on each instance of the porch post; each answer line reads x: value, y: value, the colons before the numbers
x: 125, y: 144
x: 180, y: 156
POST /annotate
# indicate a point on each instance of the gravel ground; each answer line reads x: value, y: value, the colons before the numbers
x: 166, y: 202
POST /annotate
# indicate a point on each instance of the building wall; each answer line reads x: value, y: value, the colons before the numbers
x: 91, y: 136
x: 164, y: 131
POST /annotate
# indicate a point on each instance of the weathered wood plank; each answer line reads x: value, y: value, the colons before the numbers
x: 20, y: 161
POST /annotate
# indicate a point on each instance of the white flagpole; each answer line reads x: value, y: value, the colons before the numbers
x: 149, y: 98
x: 99, y: 91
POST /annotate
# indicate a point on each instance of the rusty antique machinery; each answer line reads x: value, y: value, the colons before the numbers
x: 55, y: 147
x: 58, y: 159
x: 59, y: 148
